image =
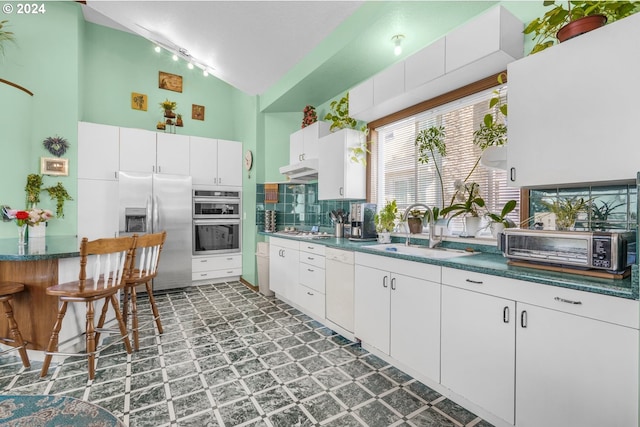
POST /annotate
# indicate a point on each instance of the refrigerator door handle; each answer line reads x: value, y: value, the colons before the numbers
x: 149, y: 211
x: 156, y: 215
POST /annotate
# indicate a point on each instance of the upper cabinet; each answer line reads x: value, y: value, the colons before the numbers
x: 339, y: 177
x: 572, y: 103
x: 478, y: 49
x: 146, y: 151
x: 303, y: 144
x: 97, y: 151
x: 216, y: 162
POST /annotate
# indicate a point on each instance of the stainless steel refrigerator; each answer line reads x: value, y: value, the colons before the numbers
x: 150, y: 203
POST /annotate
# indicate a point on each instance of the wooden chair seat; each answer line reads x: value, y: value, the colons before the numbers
x: 144, y: 268
x: 109, y: 261
x: 7, y: 291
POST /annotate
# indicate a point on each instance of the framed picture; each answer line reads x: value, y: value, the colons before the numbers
x: 53, y: 166
x: 170, y: 81
x: 138, y: 101
x: 197, y: 112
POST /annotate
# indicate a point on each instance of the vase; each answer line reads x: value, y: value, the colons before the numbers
x: 471, y: 226
x: 37, y: 231
x: 384, y: 237
x: 415, y: 225
x: 496, y: 228
x: 22, y: 230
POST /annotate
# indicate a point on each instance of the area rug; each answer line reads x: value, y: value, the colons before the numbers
x: 50, y: 411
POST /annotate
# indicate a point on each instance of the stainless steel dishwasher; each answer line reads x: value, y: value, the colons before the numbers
x: 339, y: 288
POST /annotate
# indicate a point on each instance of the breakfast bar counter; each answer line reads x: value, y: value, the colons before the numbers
x: 37, y: 266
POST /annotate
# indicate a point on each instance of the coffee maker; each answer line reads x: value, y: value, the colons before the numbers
x: 363, y: 227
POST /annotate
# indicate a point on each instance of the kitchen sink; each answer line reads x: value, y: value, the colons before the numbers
x: 421, y: 251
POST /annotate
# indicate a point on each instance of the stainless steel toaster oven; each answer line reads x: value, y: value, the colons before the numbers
x: 611, y: 250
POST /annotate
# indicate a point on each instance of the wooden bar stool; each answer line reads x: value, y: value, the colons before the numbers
x: 109, y: 260
x: 144, y: 267
x: 7, y: 291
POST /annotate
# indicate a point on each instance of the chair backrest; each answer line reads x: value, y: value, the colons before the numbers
x: 146, y: 256
x: 105, y: 261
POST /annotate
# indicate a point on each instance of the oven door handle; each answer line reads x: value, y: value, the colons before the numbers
x: 224, y: 200
x: 216, y: 221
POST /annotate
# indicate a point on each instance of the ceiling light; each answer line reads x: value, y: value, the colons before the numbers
x: 174, y: 57
x: 190, y: 65
x: 205, y: 73
x: 397, y: 41
x: 157, y: 49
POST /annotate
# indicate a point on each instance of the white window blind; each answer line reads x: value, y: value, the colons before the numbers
x: 397, y: 174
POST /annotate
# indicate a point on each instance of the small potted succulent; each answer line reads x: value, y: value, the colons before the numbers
x: 168, y: 107
x: 385, y: 221
x: 179, y: 121
x: 415, y: 221
x: 498, y: 222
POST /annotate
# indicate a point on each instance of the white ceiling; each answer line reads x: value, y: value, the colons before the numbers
x: 249, y: 44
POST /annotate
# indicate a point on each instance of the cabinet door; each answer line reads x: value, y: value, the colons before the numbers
x: 229, y: 163
x: 97, y: 212
x: 478, y: 349
x: 415, y: 324
x: 574, y: 371
x: 372, y: 305
x: 172, y: 155
x: 331, y: 167
x: 203, y: 160
x: 98, y: 151
x: 137, y: 150
x: 296, y: 147
x: 283, y: 271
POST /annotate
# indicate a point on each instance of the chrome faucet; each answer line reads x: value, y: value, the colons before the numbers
x: 434, y: 240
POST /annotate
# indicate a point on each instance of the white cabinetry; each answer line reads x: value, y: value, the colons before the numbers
x: 339, y: 177
x: 340, y: 283
x: 216, y: 267
x: 397, y: 310
x: 574, y: 354
x: 310, y: 293
x: 98, y: 151
x: 146, y: 151
x: 303, y: 144
x: 97, y: 180
x: 216, y: 162
x: 283, y: 267
x: 562, y: 129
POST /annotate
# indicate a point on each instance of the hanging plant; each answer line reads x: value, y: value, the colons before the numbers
x: 59, y: 193
x: 33, y: 189
x: 56, y: 145
x: 310, y: 116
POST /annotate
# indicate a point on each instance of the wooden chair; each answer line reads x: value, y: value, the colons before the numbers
x: 7, y: 291
x: 144, y: 267
x: 108, y: 268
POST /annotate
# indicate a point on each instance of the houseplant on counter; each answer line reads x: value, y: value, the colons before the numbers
x: 567, y: 210
x: 498, y: 222
x: 577, y: 18
x: 385, y: 221
x: 414, y: 222
x: 468, y: 194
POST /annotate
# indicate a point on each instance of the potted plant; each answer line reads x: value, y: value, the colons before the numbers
x: 493, y: 130
x: 179, y: 122
x: 339, y: 118
x: 168, y: 107
x: 470, y: 202
x: 600, y: 214
x: 498, y: 222
x: 385, y: 221
x: 429, y: 142
x: 578, y: 18
x: 310, y: 116
x: 57, y: 192
x: 161, y: 126
x: 415, y: 221
x: 566, y: 210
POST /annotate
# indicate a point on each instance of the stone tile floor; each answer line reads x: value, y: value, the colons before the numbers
x: 232, y: 357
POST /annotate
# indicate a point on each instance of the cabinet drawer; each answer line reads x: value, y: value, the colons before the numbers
x: 310, y: 300
x: 220, y: 262
x: 607, y: 308
x: 313, y: 248
x: 312, y: 259
x: 284, y: 243
x: 312, y: 276
x: 418, y: 270
x: 206, y: 275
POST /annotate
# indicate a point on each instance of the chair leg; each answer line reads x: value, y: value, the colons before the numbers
x: 91, y: 341
x: 103, y: 318
x: 15, y: 333
x: 134, y: 318
x: 125, y: 304
x: 53, y: 341
x: 154, y: 308
x: 123, y: 328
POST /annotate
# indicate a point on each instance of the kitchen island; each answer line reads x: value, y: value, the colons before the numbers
x: 37, y: 265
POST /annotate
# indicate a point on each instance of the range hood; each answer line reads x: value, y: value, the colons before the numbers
x: 304, y: 171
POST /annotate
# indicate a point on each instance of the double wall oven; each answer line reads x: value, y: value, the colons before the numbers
x: 216, y: 222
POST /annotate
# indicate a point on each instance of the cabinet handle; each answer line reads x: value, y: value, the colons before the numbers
x: 342, y: 191
x: 309, y: 293
x: 159, y: 169
x: 310, y: 258
x: 153, y: 168
x: 204, y: 260
x: 229, y: 259
x: 477, y: 282
x: 310, y: 247
x: 512, y: 174
x: 505, y: 314
x: 523, y: 319
x: 115, y: 174
x: 393, y: 283
x: 229, y: 271
x: 568, y: 301
x: 219, y: 180
x: 384, y: 282
x: 310, y: 270
x: 203, y: 274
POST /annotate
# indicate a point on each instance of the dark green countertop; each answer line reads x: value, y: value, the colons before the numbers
x: 495, y: 264
x: 52, y: 247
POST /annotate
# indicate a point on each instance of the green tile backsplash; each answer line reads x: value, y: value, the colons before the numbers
x: 298, y: 206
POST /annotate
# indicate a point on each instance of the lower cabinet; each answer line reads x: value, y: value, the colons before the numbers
x: 310, y: 292
x: 564, y: 357
x: 283, y: 267
x: 397, y: 310
x: 216, y: 267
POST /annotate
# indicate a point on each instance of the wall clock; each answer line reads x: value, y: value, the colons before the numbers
x: 248, y: 162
